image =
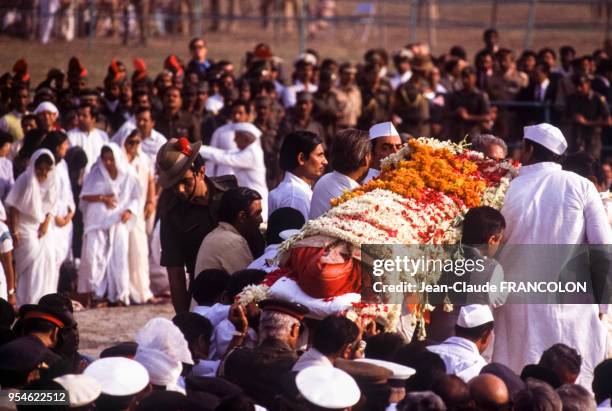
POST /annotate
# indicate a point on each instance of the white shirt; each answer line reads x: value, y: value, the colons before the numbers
x: 214, y: 104
x: 6, y: 245
x: 371, y: 174
x: 291, y: 192
x: 311, y: 358
x: 400, y: 79
x: 6, y: 177
x: 247, y: 165
x: 224, y: 138
x: 541, y: 90
x: 215, y: 313
x: 125, y: 129
x: 222, y: 337
x: 328, y: 187
x: 264, y: 262
x: 151, y: 145
x: 461, y: 357
x: 91, y: 143
x: 290, y: 92
x: 567, y: 205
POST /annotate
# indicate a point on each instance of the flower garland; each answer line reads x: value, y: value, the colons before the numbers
x: 252, y: 294
x: 386, y: 314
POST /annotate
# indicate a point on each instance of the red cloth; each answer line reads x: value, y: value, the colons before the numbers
x: 321, y: 279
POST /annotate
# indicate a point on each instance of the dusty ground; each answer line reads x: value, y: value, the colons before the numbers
x: 103, y: 327
x: 343, y: 41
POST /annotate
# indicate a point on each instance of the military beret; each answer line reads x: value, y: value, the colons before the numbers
x: 293, y: 309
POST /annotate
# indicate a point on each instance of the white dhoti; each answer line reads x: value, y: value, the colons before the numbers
x: 158, y: 274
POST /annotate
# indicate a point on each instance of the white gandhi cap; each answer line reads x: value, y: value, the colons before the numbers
x: 383, y: 130
x: 327, y: 387
x: 118, y: 376
x: 82, y: 389
x: 548, y: 136
x: 46, y: 106
x: 474, y: 315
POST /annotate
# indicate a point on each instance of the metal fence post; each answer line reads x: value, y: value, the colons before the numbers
x: 197, y: 11
x: 92, y: 25
x: 414, y: 5
x: 302, y: 24
x: 530, y: 24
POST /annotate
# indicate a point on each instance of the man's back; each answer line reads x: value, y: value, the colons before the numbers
x: 546, y: 205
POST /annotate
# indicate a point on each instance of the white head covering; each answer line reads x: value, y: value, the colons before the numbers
x: 46, y: 106
x: 161, y: 334
x: 248, y: 128
x: 163, y: 370
x: 400, y: 372
x: 327, y: 387
x: 118, y: 376
x: 99, y: 182
x: 32, y: 197
x: 547, y: 135
x: 82, y: 389
x: 383, y: 130
x: 474, y: 315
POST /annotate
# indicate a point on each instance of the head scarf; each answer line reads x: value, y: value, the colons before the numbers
x: 31, y: 197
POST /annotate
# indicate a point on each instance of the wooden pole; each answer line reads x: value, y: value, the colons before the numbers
x: 414, y: 5
x: 494, y: 10
x: 530, y: 24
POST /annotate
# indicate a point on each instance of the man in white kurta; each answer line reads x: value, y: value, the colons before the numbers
x: 546, y: 205
x: 462, y: 356
x: 328, y: 187
x: 86, y: 136
x: 292, y: 192
x: 224, y: 139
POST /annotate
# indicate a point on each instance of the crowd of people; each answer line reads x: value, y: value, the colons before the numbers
x: 146, y: 189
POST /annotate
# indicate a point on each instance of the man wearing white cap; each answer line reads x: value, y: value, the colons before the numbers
x: 46, y: 115
x: 547, y: 205
x: 473, y: 334
x: 385, y: 140
x: 246, y: 161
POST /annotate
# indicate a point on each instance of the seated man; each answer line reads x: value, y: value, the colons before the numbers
x: 209, y: 291
x: 473, y: 334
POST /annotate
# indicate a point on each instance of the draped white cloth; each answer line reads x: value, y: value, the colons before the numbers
x: 291, y: 192
x: 104, y: 265
x: 35, y: 258
x: 223, y: 139
x: 138, y: 249
x: 91, y: 142
x: 65, y: 203
x: 546, y: 205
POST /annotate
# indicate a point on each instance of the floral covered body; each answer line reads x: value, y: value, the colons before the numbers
x: 420, y: 197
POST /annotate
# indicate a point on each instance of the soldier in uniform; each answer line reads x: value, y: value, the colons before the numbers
x: 188, y: 207
x: 377, y: 98
x: 259, y: 371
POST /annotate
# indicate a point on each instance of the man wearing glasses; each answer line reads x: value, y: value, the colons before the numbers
x: 199, y: 64
x: 188, y: 209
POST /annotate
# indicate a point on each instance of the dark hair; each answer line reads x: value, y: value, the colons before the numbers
x: 429, y: 366
x: 238, y: 103
x: 5, y: 138
x: 546, y: 50
x: 384, y: 346
x: 333, y: 333
x: 141, y: 110
x: 561, y: 355
x: 474, y: 333
x: 242, y: 278
x: 237, y: 402
x: 480, y: 224
x: 284, y: 218
x: 349, y: 150
x: 195, y: 40
x: 468, y: 71
x: 532, y: 372
x: 544, y: 66
x: 36, y: 325
x: 295, y: 143
x: 584, y: 165
x: 93, y: 110
x: 193, y: 325
x: 602, y: 375
x: 209, y: 285
x: 604, y: 66
x: 576, y: 398
x: 567, y: 50
x: 31, y: 142
x: 234, y: 201
x: 537, y: 397
x: 44, y: 159
x: 488, y: 32
x: 541, y: 153
x: 458, y: 52
x: 52, y: 141
x: 580, y: 79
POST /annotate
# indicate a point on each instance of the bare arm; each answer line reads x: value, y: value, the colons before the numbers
x: 178, y: 289
x: 7, y: 264
x: 13, y: 221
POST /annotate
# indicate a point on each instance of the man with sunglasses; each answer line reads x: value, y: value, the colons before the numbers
x: 188, y: 209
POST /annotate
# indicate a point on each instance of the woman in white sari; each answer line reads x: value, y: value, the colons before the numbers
x: 110, y: 205
x: 57, y: 143
x: 140, y: 291
x: 31, y: 205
